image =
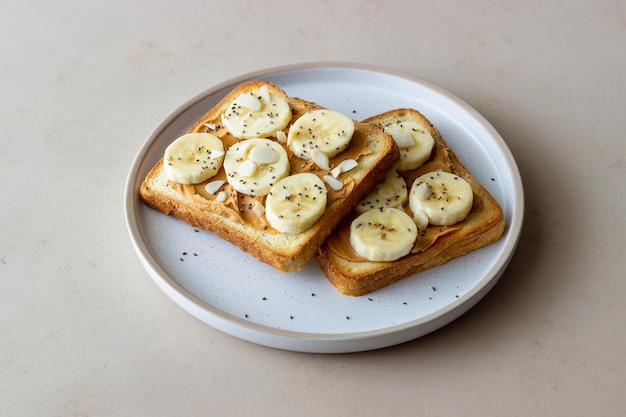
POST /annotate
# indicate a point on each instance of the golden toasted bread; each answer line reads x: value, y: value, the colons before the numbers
x: 352, y: 274
x: 240, y: 218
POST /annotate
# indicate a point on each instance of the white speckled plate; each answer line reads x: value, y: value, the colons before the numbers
x: 238, y: 295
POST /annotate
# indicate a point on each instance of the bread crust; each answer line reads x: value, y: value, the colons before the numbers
x: 286, y: 253
x: 481, y: 228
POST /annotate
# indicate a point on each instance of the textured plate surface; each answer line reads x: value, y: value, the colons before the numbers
x: 238, y: 295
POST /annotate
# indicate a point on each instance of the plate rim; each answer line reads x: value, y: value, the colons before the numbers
x: 308, y: 341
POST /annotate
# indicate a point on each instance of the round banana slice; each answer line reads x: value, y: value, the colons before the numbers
x: 257, y: 114
x: 327, y: 131
x: 253, y: 165
x: 390, y: 192
x: 193, y: 158
x: 383, y: 234
x: 415, y: 143
x: 445, y: 198
x: 295, y: 203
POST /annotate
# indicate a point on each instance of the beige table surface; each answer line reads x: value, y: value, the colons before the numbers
x: 84, y: 330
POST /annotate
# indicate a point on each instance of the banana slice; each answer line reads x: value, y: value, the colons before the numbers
x: 415, y: 143
x: 193, y: 158
x: 390, y: 192
x: 327, y: 131
x: 257, y: 114
x: 445, y: 198
x: 295, y: 203
x: 383, y: 234
x: 253, y: 165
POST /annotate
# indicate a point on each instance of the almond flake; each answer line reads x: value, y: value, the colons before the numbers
x: 320, y: 159
x: 264, y: 93
x: 403, y: 140
x: 221, y: 197
x: 263, y: 155
x: 281, y: 136
x: 249, y: 101
x: 344, y: 166
x: 247, y: 168
x: 213, y: 186
x: 334, y: 183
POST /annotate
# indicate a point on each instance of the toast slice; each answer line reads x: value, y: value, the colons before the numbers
x: 353, y: 275
x: 241, y: 219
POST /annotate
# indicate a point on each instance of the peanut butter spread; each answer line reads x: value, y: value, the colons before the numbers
x: 239, y: 207
x: 339, y: 242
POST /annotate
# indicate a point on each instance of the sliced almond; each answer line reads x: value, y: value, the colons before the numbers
x: 403, y: 140
x: 249, y: 101
x: 344, y: 166
x: 263, y: 155
x: 264, y: 93
x: 213, y: 186
x: 334, y: 183
x: 247, y: 168
x: 320, y: 159
x: 281, y: 136
x: 221, y: 197
x: 216, y: 153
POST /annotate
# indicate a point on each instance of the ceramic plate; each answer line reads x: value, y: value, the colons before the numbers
x: 238, y: 295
